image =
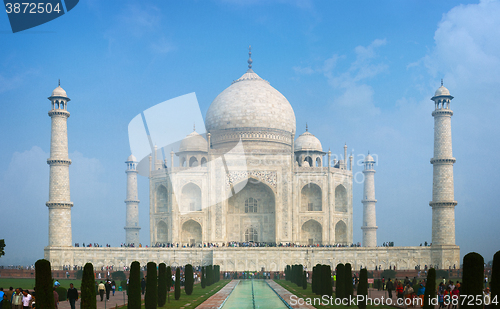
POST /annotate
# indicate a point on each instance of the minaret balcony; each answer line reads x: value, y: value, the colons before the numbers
x: 59, y: 204
x: 443, y: 161
x: 59, y: 161
x: 59, y: 112
x: 442, y: 112
x: 443, y: 204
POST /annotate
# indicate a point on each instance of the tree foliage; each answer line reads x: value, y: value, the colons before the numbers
x: 349, y: 289
x: 2, y: 247
x: 88, y: 300
x: 472, y: 278
x: 151, y: 298
x: 203, y: 280
x: 188, y: 279
x: 134, y: 286
x: 177, y: 283
x: 495, y: 280
x: 430, y: 289
x: 340, y: 286
x: 363, y: 288
x: 304, y: 281
x: 169, y: 281
x: 162, y: 284
x: 44, y: 285
x: 326, y: 280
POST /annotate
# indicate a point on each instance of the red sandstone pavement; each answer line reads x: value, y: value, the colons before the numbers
x: 118, y: 299
x: 216, y: 300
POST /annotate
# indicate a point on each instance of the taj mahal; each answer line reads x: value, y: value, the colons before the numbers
x: 253, y: 178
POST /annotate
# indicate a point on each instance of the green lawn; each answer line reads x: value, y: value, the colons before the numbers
x: 292, y: 287
x: 29, y: 283
x: 198, y: 296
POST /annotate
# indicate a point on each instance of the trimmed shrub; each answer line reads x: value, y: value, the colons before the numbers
x: 79, y: 273
x: 388, y: 273
x: 134, y: 286
x: 340, y: 288
x: 299, y: 274
x: 188, y: 279
x: 151, y: 297
x: 326, y: 280
x: 62, y: 292
x: 124, y: 286
x: 304, y: 281
x: 118, y: 276
x: 430, y: 289
x: 44, y: 285
x: 313, y: 280
x: 495, y: 280
x: 177, y: 283
x: 88, y: 299
x: 472, y: 278
x: 203, y: 280
x: 169, y: 281
x: 363, y: 287
x: 349, y: 290
x: 162, y: 284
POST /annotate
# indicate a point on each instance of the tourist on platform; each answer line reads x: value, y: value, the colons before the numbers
x: 72, y: 295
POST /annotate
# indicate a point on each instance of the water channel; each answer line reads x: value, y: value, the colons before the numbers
x: 253, y: 294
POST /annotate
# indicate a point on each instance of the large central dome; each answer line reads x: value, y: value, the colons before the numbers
x: 252, y: 110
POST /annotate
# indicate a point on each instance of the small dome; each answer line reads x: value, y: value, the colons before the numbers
x: 59, y: 92
x: 442, y: 91
x: 131, y: 158
x: 369, y: 158
x: 193, y: 142
x: 307, y: 142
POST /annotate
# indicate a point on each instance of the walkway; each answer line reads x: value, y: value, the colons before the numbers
x: 216, y: 300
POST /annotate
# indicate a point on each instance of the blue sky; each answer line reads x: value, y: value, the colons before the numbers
x: 360, y: 72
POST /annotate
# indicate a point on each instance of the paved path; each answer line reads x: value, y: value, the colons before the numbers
x: 118, y: 299
x: 287, y: 295
x: 216, y: 300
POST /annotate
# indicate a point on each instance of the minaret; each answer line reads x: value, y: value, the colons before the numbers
x: 443, y: 200
x: 369, y: 219
x: 132, y: 224
x: 59, y: 196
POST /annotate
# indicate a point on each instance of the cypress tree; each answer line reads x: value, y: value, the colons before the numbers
x: 340, y: 288
x: 430, y: 289
x: 495, y: 281
x: 348, y: 281
x: 326, y: 281
x: 203, y: 280
x: 177, y: 283
x: 299, y: 274
x: 288, y: 276
x: 188, y: 279
x: 304, y: 281
x: 363, y: 288
x: 472, y: 278
x: 151, y: 297
x: 162, y: 284
x: 88, y: 300
x: 208, y: 275
x: 313, y: 280
x: 169, y: 281
x: 134, y: 286
x: 44, y: 285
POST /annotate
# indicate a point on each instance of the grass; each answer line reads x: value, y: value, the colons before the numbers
x: 29, y: 283
x: 292, y: 287
x: 198, y: 296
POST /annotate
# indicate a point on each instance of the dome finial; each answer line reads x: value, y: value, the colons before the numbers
x: 306, y: 127
x: 194, y: 127
x: 441, y: 82
x: 250, y: 61
x: 59, y: 83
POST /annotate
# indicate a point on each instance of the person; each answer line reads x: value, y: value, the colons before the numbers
x: 400, y: 290
x: 101, y: 289
x: 408, y: 292
x: 113, y: 287
x: 2, y: 294
x: 56, y: 297
x: 441, y: 299
x: 108, y: 289
x: 455, y: 294
x: 17, y: 299
x: 57, y: 284
x: 486, y: 298
x: 447, y: 297
x: 26, y: 299
x: 72, y: 295
x: 9, y: 294
x: 390, y: 287
x: 420, y: 293
x: 143, y: 286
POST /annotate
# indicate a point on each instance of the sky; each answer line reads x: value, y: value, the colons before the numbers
x: 358, y: 72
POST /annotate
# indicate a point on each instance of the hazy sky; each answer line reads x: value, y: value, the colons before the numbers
x: 360, y: 72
